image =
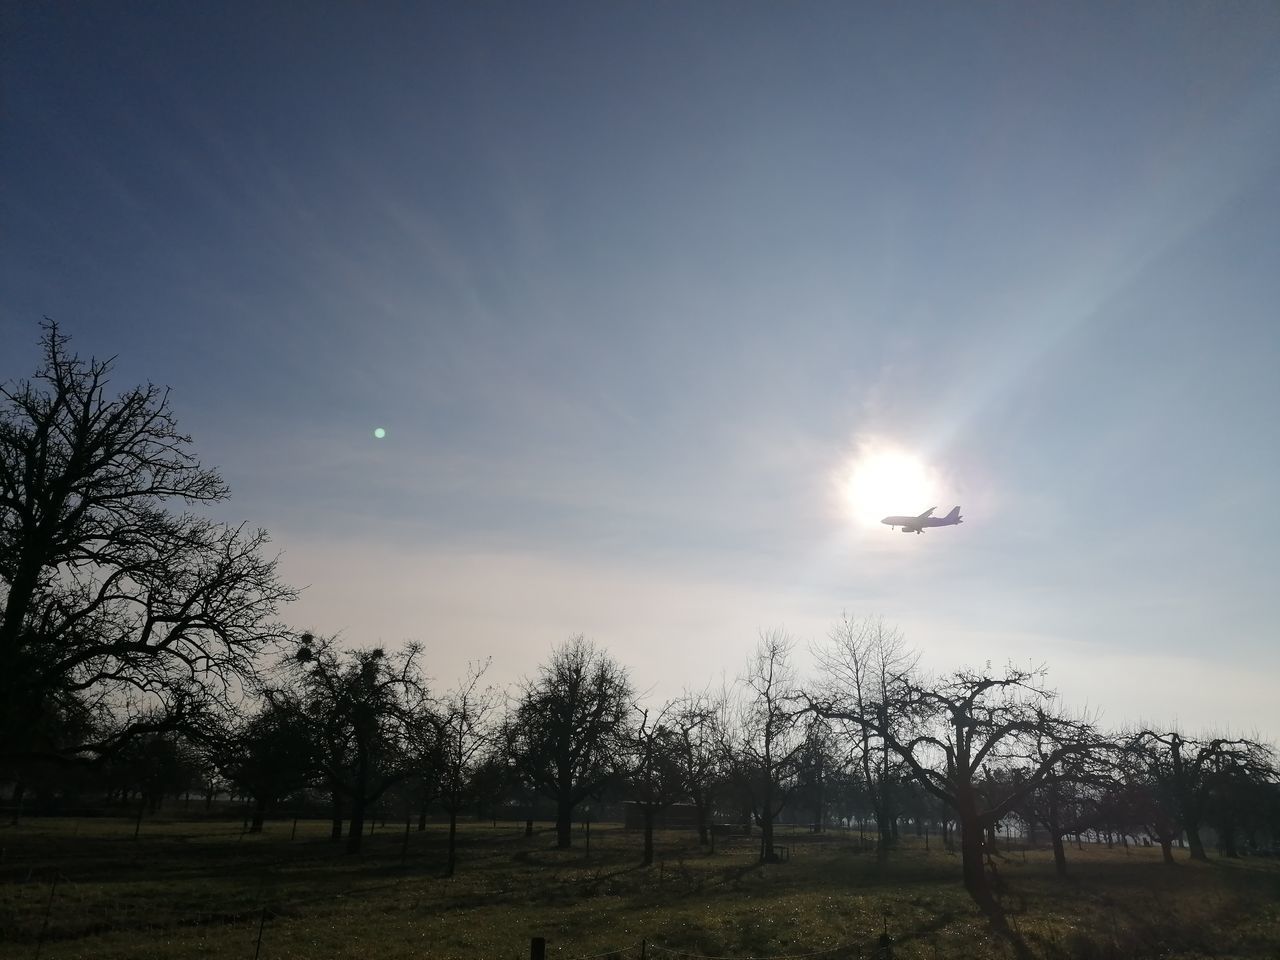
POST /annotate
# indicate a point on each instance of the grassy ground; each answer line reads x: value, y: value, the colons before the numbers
x: 200, y: 889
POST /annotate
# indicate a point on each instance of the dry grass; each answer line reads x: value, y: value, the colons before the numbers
x: 188, y: 889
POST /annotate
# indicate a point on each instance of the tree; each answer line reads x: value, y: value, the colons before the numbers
x: 695, y: 721
x: 568, y: 728
x: 963, y: 725
x: 768, y: 741
x: 657, y: 775
x: 462, y: 742
x: 862, y: 661
x: 367, y: 708
x: 272, y: 755
x: 140, y: 613
x: 1187, y: 773
x: 1073, y: 791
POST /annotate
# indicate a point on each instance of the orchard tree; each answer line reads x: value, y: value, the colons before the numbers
x: 1196, y: 778
x: 272, y: 755
x: 115, y: 598
x: 567, y: 734
x: 463, y: 738
x: 657, y: 774
x: 861, y: 662
x: 695, y: 719
x: 962, y: 726
x: 368, y: 711
x: 765, y: 747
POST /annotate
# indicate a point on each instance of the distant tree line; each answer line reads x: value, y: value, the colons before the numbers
x: 141, y: 657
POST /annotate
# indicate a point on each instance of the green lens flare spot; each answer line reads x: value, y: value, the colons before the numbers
x: 379, y: 432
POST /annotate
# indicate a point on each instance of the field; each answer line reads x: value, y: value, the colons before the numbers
x: 88, y: 889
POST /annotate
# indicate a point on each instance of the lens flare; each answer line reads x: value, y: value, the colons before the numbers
x: 884, y: 481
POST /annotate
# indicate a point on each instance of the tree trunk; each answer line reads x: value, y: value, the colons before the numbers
x: 1059, y: 855
x: 259, y: 814
x: 335, y: 831
x: 1194, y: 841
x: 355, y: 832
x: 766, y: 834
x: 422, y: 816
x: 1166, y: 848
x: 700, y: 806
x: 564, y: 823
x: 975, y: 876
x: 452, y: 859
x: 648, y: 835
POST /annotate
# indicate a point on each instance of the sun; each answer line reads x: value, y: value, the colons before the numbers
x: 885, y: 480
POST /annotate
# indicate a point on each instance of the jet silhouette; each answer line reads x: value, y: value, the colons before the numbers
x: 926, y: 519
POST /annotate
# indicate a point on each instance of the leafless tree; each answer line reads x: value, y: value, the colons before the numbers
x: 1186, y: 772
x: 765, y: 744
x: 861, y: 662
x: 463, y: 738
x: 657, y: 776
x: 370, y: 713
x: 566, y: 733
x: 113, y: 599
x: 695, y: 720
x: 962, y: 725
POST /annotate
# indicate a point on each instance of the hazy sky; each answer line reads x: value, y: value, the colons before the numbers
x: 633, y: 288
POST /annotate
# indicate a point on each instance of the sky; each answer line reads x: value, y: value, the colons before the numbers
x: 661, y: 306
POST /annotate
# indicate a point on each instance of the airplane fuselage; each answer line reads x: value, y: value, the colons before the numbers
x: 918, y: 523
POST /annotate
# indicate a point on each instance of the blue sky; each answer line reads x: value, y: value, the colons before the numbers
x: 632, y: 286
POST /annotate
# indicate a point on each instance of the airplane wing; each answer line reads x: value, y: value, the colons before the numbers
x: 926, y: 514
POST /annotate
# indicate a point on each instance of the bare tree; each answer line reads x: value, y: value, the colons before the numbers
x: 566, y: 733
x: 657, y: 776
x: 861, y: 662
x: 767, y: 741
x: 369, y: 710
x: 1071, y: 793
x: 271, y: 755
x: 696, y: 721
x: 463, y: 739
x: 140, y: 613
x: 963, y: 725
x: 1187, y: 772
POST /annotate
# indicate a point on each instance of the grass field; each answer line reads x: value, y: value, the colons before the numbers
x: 200, y: 889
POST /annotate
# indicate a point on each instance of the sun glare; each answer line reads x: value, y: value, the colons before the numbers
x: 883, y: 481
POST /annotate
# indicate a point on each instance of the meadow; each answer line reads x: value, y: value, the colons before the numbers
x: 185, y: 888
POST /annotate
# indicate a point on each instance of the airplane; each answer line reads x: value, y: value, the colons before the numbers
x: 916, y: 524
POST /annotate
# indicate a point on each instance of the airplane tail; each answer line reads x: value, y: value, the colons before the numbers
x: 954, y: 516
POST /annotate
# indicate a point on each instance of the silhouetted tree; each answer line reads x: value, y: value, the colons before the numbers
x: 111, y: 596
x: 567, y: 731
x: 368, y: 713
x: 767, y: 740
x: 656, y: 778
x: 462, y: 742
x: 272, y: 755
x: 1186, y: 773
x: 962, y: 725
x: 861, y: 662
x: 695, y: 720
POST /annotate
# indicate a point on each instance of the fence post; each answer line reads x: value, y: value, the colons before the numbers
x: 644, y: 944
x: 538, y: 948
x: 44, y: 928
x: 262, y: 922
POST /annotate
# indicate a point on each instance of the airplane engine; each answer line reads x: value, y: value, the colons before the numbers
x: 910, y: 530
